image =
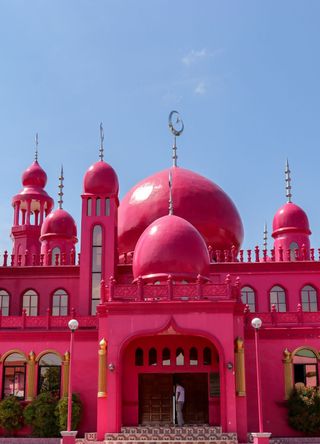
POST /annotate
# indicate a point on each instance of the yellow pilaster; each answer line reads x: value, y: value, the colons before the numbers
x: 31, y: 377
x: 65, y: 374
x: 240, y: 368
x: 102, y: 377
x: 288, y: 382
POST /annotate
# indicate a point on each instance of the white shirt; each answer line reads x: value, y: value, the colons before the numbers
x: 180, y: 392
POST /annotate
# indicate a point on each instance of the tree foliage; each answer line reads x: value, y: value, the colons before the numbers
x: 304, y: 410
x: 40, y: 415
x: 11, y: 418
x: 62, y: 412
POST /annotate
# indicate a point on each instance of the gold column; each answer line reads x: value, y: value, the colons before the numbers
x: 240, y: 368
x: 102, y: 378
x: 31, y: 374
x: 288, y: 382
x: 65, y: 374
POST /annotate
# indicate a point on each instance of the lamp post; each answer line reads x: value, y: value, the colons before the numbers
x: 261, y: 437
x: 69, y: 436
x: 73, y: 324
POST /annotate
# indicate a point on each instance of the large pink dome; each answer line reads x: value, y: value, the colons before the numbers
x: 101, y: 179
x: 170, y: 246
x: 290, y: 217
x: 34, y: 176
x: 197, y: 199
x: 59, y: 223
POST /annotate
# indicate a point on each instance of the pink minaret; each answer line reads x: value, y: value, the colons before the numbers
x: 31, y: 206
x: 99, y: 226
x: 291, y: 230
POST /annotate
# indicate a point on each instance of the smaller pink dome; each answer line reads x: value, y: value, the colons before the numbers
x: 59, y: 223
x: 101, y: 179
x: 290, y: 217
x: 34, y: 176
x: 170, y: 246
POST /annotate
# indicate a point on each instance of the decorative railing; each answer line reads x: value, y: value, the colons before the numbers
x: 252, y: 255
x: 169, y: 291
x: 32, y: 260
x: 47, y: 322
x: 287, y: 319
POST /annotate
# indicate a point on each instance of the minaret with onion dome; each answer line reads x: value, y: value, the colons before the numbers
x: 291, y: 229
x: 31, y: 206
x: 59, y: 234
x: 99, y: 223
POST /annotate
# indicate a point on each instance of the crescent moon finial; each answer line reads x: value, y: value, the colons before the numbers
x: 176, y: 127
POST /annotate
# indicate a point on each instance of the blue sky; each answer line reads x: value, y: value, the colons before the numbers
x: 243, y: 74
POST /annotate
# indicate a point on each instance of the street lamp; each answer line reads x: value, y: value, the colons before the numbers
x: 73, y: 324
x: 256, y: 324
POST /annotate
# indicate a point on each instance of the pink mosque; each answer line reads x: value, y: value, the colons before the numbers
x: 162, y: 292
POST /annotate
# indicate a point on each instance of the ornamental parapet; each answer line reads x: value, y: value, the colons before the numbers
x: 284, y: 319
x: 45, y: 322
x: 170, y: 291
x: 39, y: 260
x: 253, y: 255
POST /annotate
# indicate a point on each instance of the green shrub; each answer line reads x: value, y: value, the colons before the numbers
x: 62, y: 412
x: 40, y: 415
x: 11, y: 418
x: 304, y: 410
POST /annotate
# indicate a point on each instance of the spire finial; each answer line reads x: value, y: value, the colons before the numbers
x: 176, y: 126
x: 60, y: 194
x: 288, y: 182
x: 170, y: 194
x: 36, y: 150
x: 101, y: 150
x: 265, y: 236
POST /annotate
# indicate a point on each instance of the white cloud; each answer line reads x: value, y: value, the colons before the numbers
x: 200, y: 89
x: 193, y: 56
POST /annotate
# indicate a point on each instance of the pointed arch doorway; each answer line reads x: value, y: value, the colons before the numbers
x: 152, y: 367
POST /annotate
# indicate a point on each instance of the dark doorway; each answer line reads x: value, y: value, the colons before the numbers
x: 156, y: 397
x: 195, y: 410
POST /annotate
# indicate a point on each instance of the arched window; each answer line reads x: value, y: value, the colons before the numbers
x: 309, y: 299
x: 96, y: 267
x: 107, y: 207
x: 293, y: 247
x: 89, y: 207
x: 30, y: 303
x: 14, y: 376
x: 60, y: 303
x: 49, y: 376
x: 55, y: 259
x: 248, y: 297
x: 166, y: 356
x: 98, y: 206
x: 207, y: 356
x: 152, y: 356
x: 4, y: 302
x: 179, y: 356
x: 305, y: 367
x: 278, y: 298
x: 139, y: 357
x: 193, y: 356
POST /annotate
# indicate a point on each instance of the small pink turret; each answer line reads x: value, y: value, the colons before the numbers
x: 291, y: 228
x: 59, y: 235
x: 31, y: 206
x: 99, y: 220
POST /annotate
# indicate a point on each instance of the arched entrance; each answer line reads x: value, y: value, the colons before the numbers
x: 152, y: 367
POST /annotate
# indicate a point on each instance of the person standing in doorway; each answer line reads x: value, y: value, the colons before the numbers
x: 180, y: 396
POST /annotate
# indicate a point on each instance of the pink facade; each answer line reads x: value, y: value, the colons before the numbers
x: 160, y: 298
